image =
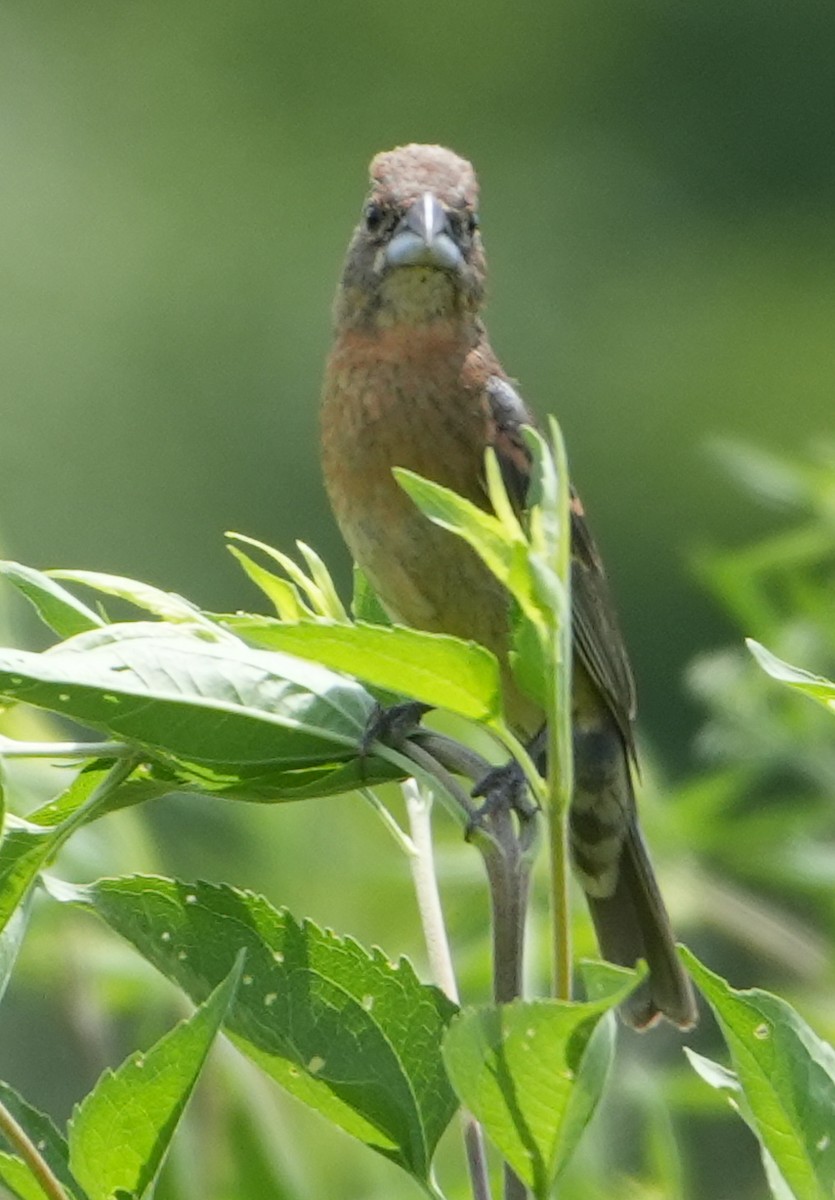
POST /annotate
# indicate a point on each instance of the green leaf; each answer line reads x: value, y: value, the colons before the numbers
x: 11, y: 938
x: 197, y: 695
x: 50, y: 1144
x: 166, y: 605
x: 348, y: 1032
x: 282, y: 594
x: 365, y: 603
x: 815, y: 686
x: 432, y: 667
x: 533, y: 1072
x: 56, y: 607
x: 484, y: 532
x: 321, y: 576
x: 120, y: 1133
x: 787, y: 1077
x: 323, y: 601
x: 29, y: 845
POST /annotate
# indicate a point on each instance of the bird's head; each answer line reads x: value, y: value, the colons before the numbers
x: 416, y: 255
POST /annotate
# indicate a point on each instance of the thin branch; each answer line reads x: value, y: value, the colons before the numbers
x: 399, y: 835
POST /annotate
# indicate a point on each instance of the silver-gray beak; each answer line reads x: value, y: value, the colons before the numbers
x: 424, y: 238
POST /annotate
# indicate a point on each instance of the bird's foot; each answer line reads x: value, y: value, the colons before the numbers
x: 504, y: 789
x: 392, y: 725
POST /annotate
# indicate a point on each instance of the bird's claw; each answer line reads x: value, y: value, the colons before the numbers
x: 392, y: 725
x: 504, y: 789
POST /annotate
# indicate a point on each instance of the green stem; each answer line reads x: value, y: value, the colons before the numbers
x: 113, y: 780
x: 17, y: 1137
x: 560, y: 754
x: 425, y: 879
x: 11, y: 748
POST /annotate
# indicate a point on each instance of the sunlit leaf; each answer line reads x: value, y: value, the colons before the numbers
x: 786, y: 1076
x: 57, y: 607
x: 351, y: 1034
x: 533, y: 1072
x: 197, y: 695
x: 431, y: 667
x: 121, y: 1132
x: 815, y: 686
x: 166, y: 605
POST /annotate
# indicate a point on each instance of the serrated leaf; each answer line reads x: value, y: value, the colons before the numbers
x: 815, y: 686
x: 434, y: 668
x: 351, y: 1034
x: 121, y: 1132
x: 56, y: 607
x: 166, y: 605
x: 532, y: 1072
x: 787, y: 1076
x: 50, y: 1144
x: 199, y: 696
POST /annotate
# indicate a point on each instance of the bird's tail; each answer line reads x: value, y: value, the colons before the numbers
x: 632, y: 924
x: 613, y: 866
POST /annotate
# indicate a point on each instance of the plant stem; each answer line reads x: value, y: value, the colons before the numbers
x: 424, y: 877
x: 11, y: 748
x: 17, y: 1137
x: 560, y: 752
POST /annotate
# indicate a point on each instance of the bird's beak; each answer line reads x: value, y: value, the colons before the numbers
x: 424, y: 238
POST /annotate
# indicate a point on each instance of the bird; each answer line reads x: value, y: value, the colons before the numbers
x: 412, y: 381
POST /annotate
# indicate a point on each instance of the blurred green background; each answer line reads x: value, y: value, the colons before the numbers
x: 178, y: 184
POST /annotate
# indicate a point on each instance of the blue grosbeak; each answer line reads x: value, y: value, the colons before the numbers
x: 412, y: 381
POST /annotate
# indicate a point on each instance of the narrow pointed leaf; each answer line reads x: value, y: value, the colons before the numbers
x: 57, y: 607
x: 365, y: 603
x: 282, y: 594
x: 533, y: 1072
x: 166, y: 605
x: 787, y: 1076
x: 121, y: 1132
x: 321, y: 576
x: 484, y: 532
x: 353, y: 1035
x: 294, y: 572
x: 816, y: 686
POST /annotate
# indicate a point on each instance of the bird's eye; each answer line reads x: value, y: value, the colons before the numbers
x: 374, y: 215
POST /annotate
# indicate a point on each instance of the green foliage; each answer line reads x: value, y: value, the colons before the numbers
x: 276, y: 708
x: 783, y: 1083
x: 119, y: 1134
x: 353, y: 1035
x: 533, y: 1073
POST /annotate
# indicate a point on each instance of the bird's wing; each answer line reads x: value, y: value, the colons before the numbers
x: 598, y: 641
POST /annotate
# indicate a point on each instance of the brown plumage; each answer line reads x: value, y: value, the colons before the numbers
x: 413, y: 382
